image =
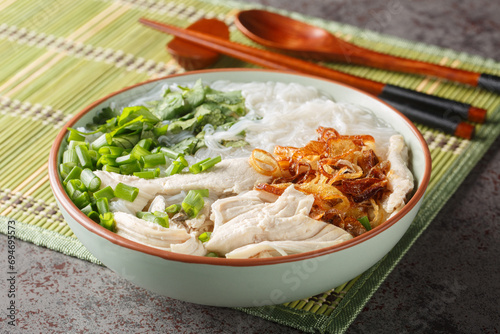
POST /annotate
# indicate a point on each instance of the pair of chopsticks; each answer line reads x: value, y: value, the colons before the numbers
x: 446, y: 115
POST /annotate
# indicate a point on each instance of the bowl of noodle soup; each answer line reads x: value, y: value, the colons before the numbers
x: 284, y: 109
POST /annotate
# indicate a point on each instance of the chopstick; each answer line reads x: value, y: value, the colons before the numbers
x: 436, y: 112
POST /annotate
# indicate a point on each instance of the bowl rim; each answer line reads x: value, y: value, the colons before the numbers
x: 100, y: 231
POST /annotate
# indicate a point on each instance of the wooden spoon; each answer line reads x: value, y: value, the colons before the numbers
x: 286, y: 34
x: 192, y: 56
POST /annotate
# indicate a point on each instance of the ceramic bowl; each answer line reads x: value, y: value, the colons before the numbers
x: 244, y: 282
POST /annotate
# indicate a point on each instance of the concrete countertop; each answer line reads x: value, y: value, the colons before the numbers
x: 449, y: 282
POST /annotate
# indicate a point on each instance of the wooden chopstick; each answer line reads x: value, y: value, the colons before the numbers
x: 413, y: 104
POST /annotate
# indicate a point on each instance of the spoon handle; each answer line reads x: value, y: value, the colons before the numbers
x: 362, y: 56
x: 281, y: 62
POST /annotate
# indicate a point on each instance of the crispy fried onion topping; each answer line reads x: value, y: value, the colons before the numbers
x: 343, y: 173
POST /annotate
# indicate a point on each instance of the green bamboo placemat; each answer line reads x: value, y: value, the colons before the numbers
x: 58, y: 57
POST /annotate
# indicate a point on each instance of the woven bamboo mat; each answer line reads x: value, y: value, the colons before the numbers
x: 59, y: 56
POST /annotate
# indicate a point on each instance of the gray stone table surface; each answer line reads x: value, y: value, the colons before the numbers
x: 449, y: 282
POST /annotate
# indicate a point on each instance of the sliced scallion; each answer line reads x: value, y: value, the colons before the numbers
x: 154, y: 218
x: 126, y: 192
x: 138, y: 151
x: 73, y: 174
x: 111, y: 169
x: 153, y: 160
x: 83, y: 156
x: 145, y: 143
x: 196, y: 168
x: 113, y: 150
x: 169, y: 153
x: 75, y: 143
x: 174, y: 208
x: 65, y: 168
x: 125, y: 159
x: 365, y: 222
x: 102, y: 205
x: 130, y: 168
x: 210, y: 163
x: 101, y: 141
x: 105, y: 192
x: 73, y: 186
x: 94, y: 215
x: 74, y: 135
x: 82, y: 200
x: 90, y: 180
x: 193, y: 203
x: 212, y: 254
x: 145, y: 174
x: 175, y: 168
x: 107, y: 221
x: 70, y: 156
x: 205, y: 236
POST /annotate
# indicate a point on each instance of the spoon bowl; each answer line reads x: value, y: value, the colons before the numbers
x: 192, y: 56
x: 286, y: 34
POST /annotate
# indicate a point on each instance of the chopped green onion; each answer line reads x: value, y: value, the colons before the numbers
x: 145, y: 174
x: 156, y: 218
x: 196, y: 168
x: 160, y: 131
x: 83, y: 156
x: 175, y: 168
x: 125, y: 159
x: 212, y: 254
x: 174, y: 208
x: 82, y: 200
x: 205, y: 236
x: 169, y: 153
x: 65, y: 168
x: 107, y: 159
x: 156, y: 171
x: 210, y: 163
x: 75, y: 143
x: 73, y: 174
x: 102, y: 205
x: 94, y: 156
x: 152, y: 160
x: 87, y: 209
x: 193, y: 203
x: 365, y: 222
x: 107, y: 221
x: 90, y: 180
x: 94, y: 215
x: 74, y: 135
x: 130, y: 168
x: 105, y: 192
x: 182, y: 160
x: 138, y: 151
x: 74, y: 185
x: 111, y: 169
x: 162, y: 218
x: 100, y: 142
x: 145, y: 143
x: 202, y: 192
x: 156, y: 150
x: 70, y: 156
x: 112, y: 150
x: 204, y: 165
x: 126, y: 192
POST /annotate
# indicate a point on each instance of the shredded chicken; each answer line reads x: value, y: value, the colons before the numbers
x: 285, y: 219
